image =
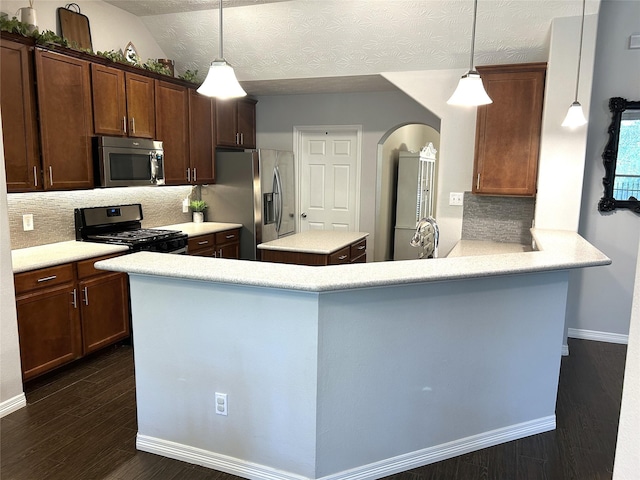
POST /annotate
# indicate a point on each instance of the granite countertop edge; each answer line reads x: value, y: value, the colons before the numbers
x: 557, y: 250
x: 323, y: 242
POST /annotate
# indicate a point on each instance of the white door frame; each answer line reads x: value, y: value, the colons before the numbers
x: 298, y: 132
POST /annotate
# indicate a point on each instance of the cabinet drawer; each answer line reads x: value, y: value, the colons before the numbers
x: 339, y: 257
x: 86, y: 268
x: 359, y: 248
x: 45, y: 277
x: 201, y: 242
x: 228, y: 236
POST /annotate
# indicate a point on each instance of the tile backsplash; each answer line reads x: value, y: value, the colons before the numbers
x: 53, y: 211
x: 497, y: 219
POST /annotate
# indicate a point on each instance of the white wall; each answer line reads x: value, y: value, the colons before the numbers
x: 111, y: 28
x: 601, y: 301
x: 11, y: 394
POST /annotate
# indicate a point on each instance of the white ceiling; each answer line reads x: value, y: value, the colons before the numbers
x: 292, y: 46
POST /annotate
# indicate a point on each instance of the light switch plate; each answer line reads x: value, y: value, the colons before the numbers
x: 456, y: 198
x: 634, y: 41
x: 27, y: 222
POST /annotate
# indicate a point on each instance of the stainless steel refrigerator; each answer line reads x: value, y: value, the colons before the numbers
x: 256, y: 189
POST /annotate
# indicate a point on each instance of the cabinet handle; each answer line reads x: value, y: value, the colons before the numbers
x: 124, y: 124
x: 478, y: 182
x: 133, y: 125
x: 188, y: 174
x: 342, y: 257
x: 204, y: 242
x: 35, y: 176
x: 46, y: 279
x: 50, y: 175
x: 215, y: 254
x: 86, y: 296
x: 362, y: 247
x: 220, y: 253
x: 74, y: 302
x: 195, y: 174
x: 237, y: 139
x: 229, y: 237
x: 242, y: 139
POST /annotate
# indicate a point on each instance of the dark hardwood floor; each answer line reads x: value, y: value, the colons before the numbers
x: 80, y: 424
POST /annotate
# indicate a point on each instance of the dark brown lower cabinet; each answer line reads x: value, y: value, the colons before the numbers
x: 67, y: 311
x: 225, y: 244
x: 353, y: 253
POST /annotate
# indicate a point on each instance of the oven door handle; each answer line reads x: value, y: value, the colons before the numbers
x: 153, y: 160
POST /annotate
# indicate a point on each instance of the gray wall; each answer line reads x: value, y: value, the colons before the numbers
x: 600, y: 298
x: 377, y: 112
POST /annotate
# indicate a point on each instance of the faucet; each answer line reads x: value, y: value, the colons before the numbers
x: 424, y: 227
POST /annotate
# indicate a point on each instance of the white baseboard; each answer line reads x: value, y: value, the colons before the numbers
x: 371, y: 471
x: 597, y: 336
x: 13, y: 404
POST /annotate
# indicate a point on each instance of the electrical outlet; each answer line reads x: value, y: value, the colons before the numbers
x: 221, y: 403
x: 455, y: 198
x: 27, y: 222
x: 185, y: 205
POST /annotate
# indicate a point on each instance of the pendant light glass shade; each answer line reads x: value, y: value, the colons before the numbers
x: 221, y: 81
x: 575, y: 116
x: 470, y: 91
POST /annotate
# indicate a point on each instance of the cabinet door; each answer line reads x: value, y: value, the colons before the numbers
x: 231, y: 250
x: 226, y: 128
x: 109, y: 101
x: 172, y: 128
x: 48, y: 329
x: 104, y: 304
x: 140, y: 106
x: 201, y: 138
x: 19, y: 129
x: 508, y: 130
x: 64, y: 97
x: 247, y: 123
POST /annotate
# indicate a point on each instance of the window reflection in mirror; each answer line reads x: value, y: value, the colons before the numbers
x: 627, y: 180
x: 621, y: 157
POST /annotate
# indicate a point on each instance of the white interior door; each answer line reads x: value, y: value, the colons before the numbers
x: 329, y: 177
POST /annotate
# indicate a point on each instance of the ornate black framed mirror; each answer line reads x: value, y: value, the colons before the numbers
x: 622, y: 157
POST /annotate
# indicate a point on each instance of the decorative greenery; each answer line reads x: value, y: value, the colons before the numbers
x: 14, y: 25
x: 189, y: 76
x: 198, y: 205
x: 157, y: 67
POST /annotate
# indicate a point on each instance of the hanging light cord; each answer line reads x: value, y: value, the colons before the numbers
x: 580, y: 50
x: 473, y: 35
x: 220, y: 45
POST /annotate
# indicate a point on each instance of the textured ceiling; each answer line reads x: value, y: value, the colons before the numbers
x: 289, y: 46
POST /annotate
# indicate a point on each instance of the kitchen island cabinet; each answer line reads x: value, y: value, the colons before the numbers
x: 211, y: 239
x: 341, y: 345
x: 65, y: 113
x: 18, y: 103
x: 317, y: 247
x: 508, y: 130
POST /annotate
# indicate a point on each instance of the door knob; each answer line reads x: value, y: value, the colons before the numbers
x: 304, y: 215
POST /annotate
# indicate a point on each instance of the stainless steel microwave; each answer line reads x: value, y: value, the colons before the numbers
x: 128, y: 162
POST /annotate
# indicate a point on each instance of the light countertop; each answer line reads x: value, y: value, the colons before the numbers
x: 323, y: 242
x: 42, y: 256
x: 466, y: 248
x: 557, y: 250
x: 195, y: 229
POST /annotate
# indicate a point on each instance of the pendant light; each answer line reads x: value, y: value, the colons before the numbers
x: 575, y: 116
x: 470, y: 91
x: 221, y: 81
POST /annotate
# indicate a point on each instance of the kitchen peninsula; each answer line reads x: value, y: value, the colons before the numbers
x: 353, y: 371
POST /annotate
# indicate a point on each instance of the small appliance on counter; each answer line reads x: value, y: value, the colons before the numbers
x: 121, y: 225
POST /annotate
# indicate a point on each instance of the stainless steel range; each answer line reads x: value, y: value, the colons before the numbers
x: 121, y: 225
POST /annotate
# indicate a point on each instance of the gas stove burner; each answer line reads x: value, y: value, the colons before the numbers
x: 121, y: 225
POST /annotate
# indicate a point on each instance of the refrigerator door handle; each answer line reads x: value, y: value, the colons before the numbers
x: 278, y: 191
